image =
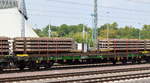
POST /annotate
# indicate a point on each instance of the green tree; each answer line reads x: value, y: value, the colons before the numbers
x: 145, y: 32
x: 75, y: 31
x: 113, y: 30
x: 128, y: 32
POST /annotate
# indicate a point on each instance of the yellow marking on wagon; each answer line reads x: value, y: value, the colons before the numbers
x: 105, y: 49
x: 145, y: 52
x: 22, y: 55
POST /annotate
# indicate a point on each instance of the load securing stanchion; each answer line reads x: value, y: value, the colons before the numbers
x: 115, y: 47
x: 127, y: 47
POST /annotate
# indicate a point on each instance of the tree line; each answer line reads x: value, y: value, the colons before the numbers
x: 75, y: 31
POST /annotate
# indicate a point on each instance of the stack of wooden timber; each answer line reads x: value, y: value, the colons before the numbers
x: 4, y: 46
x: 43, y: 45
x: 123, y: 44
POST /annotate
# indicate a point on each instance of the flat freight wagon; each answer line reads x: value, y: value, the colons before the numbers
x: 34, y: 53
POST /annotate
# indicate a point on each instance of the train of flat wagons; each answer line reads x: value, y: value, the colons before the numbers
x: 33, y: 53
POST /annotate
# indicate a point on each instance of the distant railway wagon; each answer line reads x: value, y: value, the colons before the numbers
x: 33, y: 53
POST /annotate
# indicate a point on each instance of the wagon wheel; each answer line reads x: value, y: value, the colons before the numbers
x: 49, y: 64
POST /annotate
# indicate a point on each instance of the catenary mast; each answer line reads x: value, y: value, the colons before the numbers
x: 95, y: 20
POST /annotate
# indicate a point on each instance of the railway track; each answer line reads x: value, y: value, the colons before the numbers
x: 53, y: 78
x: 108, y: 79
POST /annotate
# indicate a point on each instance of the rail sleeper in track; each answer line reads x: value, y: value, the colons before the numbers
x: 69, y: 74
x: 107, y: 79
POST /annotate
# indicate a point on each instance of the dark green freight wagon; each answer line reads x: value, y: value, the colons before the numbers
x: 34, y: 53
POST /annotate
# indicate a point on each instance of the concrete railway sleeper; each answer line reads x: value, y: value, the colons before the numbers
x: 107, y: 79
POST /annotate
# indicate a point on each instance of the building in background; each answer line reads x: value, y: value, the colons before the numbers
x: 13, y: 19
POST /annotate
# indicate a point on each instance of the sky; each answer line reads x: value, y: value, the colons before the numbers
x: 56, y: 12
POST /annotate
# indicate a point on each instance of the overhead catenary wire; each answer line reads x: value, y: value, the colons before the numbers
x: 59, y: 11
x: 121, y: 9
x: 103, y: 10
x: 100, y: 6
x: 63, y: 14
x: 84, y: 15
x: 82, y: 6
x: 140, y: 1
x: 85, y: 18
x: 69, y: 2
x: 102, y: 18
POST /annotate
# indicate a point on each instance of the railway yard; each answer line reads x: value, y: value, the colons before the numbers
x: 66, y: 42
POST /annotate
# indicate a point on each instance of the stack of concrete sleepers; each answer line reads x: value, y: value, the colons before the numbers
x: 4, y: 46
x: 123, y: 44
x: 43, y: 45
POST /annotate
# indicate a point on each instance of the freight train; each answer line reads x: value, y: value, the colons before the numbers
x: 34, y: 53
